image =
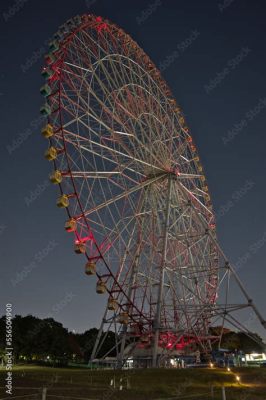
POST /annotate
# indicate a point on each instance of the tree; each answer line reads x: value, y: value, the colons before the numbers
x: 230, y: 341
x: 87, y: 339
x: 36, y: 339
x: 249, y: 345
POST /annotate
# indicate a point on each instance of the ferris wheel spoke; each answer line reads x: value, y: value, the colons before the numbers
x: 124, y: 221
x: 122, y: 88
x: 77, y: 42
x: 190, y: 195
x: 119, y: 120
x: 78, y: 66
x: 125, y: 194
x: 123, y: 167
x: 119, y: 60
x: 111, y: 149
x: 92, y: 174
x: 99, y: 121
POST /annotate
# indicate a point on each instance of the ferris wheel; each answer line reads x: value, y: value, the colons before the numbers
x: 134, y: 190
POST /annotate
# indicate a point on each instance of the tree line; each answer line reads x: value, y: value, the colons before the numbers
x: 47, y: 341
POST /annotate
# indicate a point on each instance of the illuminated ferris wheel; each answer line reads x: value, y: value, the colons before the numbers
x: 134, y: 190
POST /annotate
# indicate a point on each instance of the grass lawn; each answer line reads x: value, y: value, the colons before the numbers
x: 142, y: 384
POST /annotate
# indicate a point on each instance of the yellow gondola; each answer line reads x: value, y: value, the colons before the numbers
x: 90, y: 268
x: 100, y: 287
x: 50, y: 154
x: 62, y: 201
x: 56, y: 177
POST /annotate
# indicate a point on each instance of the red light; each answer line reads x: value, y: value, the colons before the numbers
x: 101, y: 26
x: 85, y: 239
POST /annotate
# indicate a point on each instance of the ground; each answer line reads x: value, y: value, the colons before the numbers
x: 139, y: 384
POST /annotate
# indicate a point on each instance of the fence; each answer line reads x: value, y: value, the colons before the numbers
x: 218, y: 393
x: 42, y: 394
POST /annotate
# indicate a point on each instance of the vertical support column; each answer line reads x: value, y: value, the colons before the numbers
x: 122, y: 347
x: 44, y: 393
x: 131, y: 284
x: 98, y: 338
x: 132, y: 278
x: 223, y: 393
x: 157, y: 321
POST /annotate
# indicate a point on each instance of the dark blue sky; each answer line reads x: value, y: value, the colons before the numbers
x: 214, y: 59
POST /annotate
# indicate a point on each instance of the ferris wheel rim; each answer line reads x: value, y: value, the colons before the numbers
x: 83, y: 215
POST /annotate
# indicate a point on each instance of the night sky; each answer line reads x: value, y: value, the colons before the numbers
x: 212, y: 53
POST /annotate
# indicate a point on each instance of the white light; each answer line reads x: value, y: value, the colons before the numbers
x: 124, y: 133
